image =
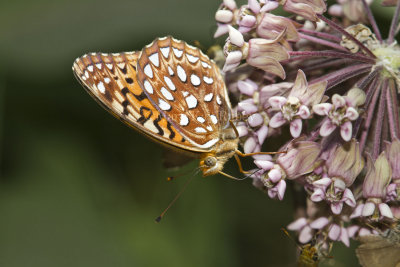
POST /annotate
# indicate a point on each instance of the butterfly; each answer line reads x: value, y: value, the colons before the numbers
x: 172, y: 93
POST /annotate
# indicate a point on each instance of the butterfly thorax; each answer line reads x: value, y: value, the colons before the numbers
x: 213, y: 162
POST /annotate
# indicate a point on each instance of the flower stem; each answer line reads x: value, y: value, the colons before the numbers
x: 322, y: 42
x: 392, y: 110
x: 342, y: 75
x: 335, y: 54
x: 369, y: 92
x: 324, y: 64
x: 321, y: 34
x: 348, y: 35
x: 367, y: 80
x: 393, y: 25
x: 379, y: 121
x: 370, y: 116
x: 372, y: 20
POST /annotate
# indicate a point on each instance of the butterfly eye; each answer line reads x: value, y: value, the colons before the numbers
x: 210, y: 161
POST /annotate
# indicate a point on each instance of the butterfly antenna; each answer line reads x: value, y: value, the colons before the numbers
x: 158, y: 219
x: 170, y: 178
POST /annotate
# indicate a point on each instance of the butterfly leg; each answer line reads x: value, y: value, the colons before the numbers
x: 239, y: 163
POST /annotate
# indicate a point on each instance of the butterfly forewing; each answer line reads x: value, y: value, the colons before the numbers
x: 186, y: 87
x: 111, y: 80
x: 170, y: 91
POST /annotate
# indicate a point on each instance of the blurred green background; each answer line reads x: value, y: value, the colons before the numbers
x: 78, y: 188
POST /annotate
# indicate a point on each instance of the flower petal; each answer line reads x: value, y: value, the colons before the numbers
x: 247, y: 87
x: 277, y: 120
x: 277, y: 101
x: 255, y: 120
x: 357, y: 212
x: 264, y: 164
x: 351, y: 114
x: 297, y: 224
x: 322, y: 109
x: 348, y: 198
x: 346, y: 129
x: 281, y: 186
x: 327, y: 128
x: 319, y: 223
x: 235, y: 37
x: 344, y: 236
x: 334, y: 232
x: 295, y: 127
x: 318, y: 195
x: 338, y: 101
x: 262, y: 133
x: 224, y: 16
x: 368, y: 209
x: 274, y: 175
x: 305, y: 235
x: 336, y: 207
x: 304, y: 112
x: 322, y: 183
x: 385, y: 210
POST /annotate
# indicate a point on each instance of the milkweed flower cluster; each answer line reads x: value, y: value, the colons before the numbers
x: 328, y: 87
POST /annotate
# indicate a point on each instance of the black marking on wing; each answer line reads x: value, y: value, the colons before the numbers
x: 172, y: 133
x: 142, y: 120
x: 140, y: 97
x: 155, y: 122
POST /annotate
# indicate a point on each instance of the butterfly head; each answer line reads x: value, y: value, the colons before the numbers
x: 213, y: 162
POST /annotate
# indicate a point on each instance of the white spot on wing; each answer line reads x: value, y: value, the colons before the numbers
x: 219, y: 100
x: 121, y: 65
x: 178, y: 53
x: 87, y: 74
x: 201, y: 119
x: 99, y: 65
x: 181, y: 73
x: 90, y: 68
x: 148, y: 87
x: 163, y: 105
x: 148, y: 71
x: 191, y: 101
x: 200, y: 130
x: 195, y: 79
x: 208, y: 80
x: 205, y: 64
x: 165, y: 51
x: 209, y: 128
x: 154, y: 59
x: 209, y: 143
x: 214, y: 119
x: 184, y: 120
x: 107, y: 80
x: 171, y: 72
x: 191, y: 58
x: 110, y: 66
x: 101, y: 87
x: 166, y: 94
x: 208, y: 97
x: 169, y: 83
x: 185, y: 93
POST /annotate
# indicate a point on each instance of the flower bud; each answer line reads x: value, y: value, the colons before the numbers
x: 377, y: 178
x: 301, y: 158
x: 306, y: 9
x: 393, y: 155
x: 345, y: 162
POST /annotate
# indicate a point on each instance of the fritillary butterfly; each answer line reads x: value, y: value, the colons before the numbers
x: 172, y: 93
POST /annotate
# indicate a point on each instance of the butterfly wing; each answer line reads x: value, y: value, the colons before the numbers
x: 187, y: 88
x: 111, y: 80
